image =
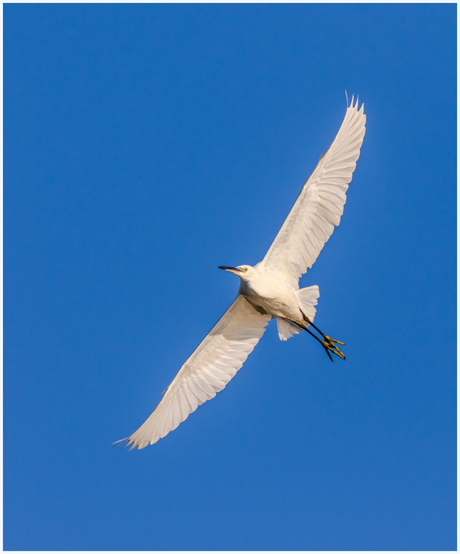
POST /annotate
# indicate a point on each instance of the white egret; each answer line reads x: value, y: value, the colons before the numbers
x: 268, y: 290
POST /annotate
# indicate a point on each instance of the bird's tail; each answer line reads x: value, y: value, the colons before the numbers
x: 308, y: 298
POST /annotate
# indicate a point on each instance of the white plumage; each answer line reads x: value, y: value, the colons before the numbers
x: 207, y: 371
x: 269, y: 289
x: 320, y: 203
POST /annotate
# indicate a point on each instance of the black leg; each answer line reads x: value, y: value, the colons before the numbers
x: 330, y: 345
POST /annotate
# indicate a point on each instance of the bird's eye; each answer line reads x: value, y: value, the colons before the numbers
x: 245, y: 269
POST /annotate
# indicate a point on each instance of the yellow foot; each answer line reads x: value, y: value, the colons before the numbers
x: 330, y: 345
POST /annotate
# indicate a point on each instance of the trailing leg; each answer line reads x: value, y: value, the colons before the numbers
x: 330, y: 345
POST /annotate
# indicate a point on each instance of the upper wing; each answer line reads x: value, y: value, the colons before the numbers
x: 207, y: 371
x: 320, y: 203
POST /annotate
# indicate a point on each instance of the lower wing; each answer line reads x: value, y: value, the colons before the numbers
x: 206, y: 372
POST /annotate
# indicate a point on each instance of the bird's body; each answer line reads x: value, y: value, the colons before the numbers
x: 271, y: 293
x: 268, y: 290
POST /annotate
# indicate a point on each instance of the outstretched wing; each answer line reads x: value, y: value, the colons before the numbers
x: 320, y: 203
x: 206, y: 372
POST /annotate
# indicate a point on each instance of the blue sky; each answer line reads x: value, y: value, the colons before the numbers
x: 144, y: 146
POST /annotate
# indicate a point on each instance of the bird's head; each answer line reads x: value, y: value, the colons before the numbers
x: 244, y: 272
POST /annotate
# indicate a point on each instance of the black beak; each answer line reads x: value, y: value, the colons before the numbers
x: 226, y: 268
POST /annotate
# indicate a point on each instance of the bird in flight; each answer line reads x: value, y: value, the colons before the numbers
x: 268, y: 290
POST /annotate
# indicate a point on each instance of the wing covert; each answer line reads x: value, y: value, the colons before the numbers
x: 319, y: 205
x: 216, y: 360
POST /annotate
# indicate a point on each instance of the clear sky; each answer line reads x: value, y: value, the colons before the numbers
x: 144, y: 146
